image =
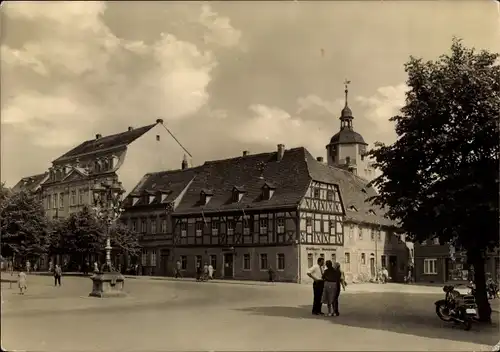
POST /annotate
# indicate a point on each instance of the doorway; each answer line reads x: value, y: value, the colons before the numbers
x: 164, y: 258
x: 372, y: 267
x: 228, y: 266
x: 393, y: 266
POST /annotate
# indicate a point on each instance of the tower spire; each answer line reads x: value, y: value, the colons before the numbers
x: 346, y: 84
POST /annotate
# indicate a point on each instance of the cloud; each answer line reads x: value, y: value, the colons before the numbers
x: 381, y: 106
x: 271, y: 125
x: 315, y: 104
x: 219, y: 28
x: 96, y: 78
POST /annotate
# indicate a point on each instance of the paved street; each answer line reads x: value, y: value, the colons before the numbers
x: 180, y: 315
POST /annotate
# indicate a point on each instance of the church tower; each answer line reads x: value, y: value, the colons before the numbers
x: 347, y: 148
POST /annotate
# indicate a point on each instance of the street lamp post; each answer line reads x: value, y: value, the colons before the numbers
x: 107, y: 200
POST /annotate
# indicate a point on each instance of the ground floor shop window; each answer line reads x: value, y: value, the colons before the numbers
x: 263, y: 261
x: 456, y: 270
x: 213, y: 261
x: 246, y: 262
x: 430, y: 266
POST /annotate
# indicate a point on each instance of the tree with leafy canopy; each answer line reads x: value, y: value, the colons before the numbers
x: 83, y: 234
x: 24, y: 227
x: 440, y: 178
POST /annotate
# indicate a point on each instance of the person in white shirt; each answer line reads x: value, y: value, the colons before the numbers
x: 316, y: 273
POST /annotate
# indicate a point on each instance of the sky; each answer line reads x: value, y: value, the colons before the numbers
x: 224, y: 76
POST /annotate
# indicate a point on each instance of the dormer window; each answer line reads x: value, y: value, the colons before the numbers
x: 113, y: 162
x: 371, y: 212
x: 268, y: 191
x: 135, y: 199
x: 151, y: 198
x: 205, y: 196
x: 238, y: 193
x: 353, y: 208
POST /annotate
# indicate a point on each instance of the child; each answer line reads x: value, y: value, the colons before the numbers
x: 22, y: 282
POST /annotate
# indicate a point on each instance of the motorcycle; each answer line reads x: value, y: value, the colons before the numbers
x: 456, y: 307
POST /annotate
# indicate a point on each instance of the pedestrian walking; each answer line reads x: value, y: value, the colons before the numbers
x: 270, y: 273
x: 22, y: 282
x: 178, y: 268
x: 210, y: 272
x: 199, y: 272
x: 57, y: 275
x: 205, y: 272
x: 316, y: 273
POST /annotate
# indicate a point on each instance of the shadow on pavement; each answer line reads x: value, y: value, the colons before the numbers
x: 422, y: 323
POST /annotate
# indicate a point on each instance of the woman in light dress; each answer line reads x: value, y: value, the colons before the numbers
x: 22, y: 282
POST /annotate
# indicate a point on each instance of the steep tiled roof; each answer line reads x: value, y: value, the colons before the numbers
x: 289, y: 176
x: 354, y: 192
x: 171, y: 182
x: 30, y: 183
x: 106, y: 142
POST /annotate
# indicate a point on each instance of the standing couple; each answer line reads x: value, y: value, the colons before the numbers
x: 326, y: 286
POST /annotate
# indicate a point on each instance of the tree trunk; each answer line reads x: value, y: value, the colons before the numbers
x: 483, y: 305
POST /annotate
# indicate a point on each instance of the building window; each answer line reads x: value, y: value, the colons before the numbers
x: 199, y: 229
x: 379, y: 235
x: 184, y: 262
x: 48, y: 201
x: 213, y: 261
x: 332, y: 227
x: 197, y: 261
x: 363, y: 259
x: 310, y: 260
x: 436, y: 241
x: 215, y: 227
x: 73, y: 197
x: 322, y: 255
x: 329, y: 196
x: 430, y: 266
x: 263, y: 226
x: 164, y: 225
x: 144, y: 258
x: 372, y: 233
x: 153, y: 257
x: 317, y: 193
x: 246, y: 262
x: 280, y: 261
x: 281, y: 225
x: 153, y: 225
x: 183, y: 229
x: 134, y: 225
x: 347, y: 257
x: 144, y: 226
x: 360, y: 233
x: 246, y: 227
x: 61, y: 200
x: 309, y: 222
x: 230, y: 227
x: 263, y: 261
x: 54, y: 200
x: 334, y: 257
x: 81, y: 194
x: 383, y: 261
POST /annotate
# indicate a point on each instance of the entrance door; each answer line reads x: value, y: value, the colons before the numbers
x: 393, y: 267
x: 164, y: 258
x: 372, y: 267
x: 228, y: 266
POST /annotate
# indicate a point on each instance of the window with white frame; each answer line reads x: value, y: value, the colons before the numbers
x: 153, y: 225
x: 164, y: 225
x: 199, y: 229
x: 281, y: 225
x: 329, y: 196
x: 54, y: 200
x: 246, y: 262
x: 61, y: 200
x: 230, y: 227
x: 430, y: 266
x: 153, y: 257
x: 263, y: 226
x: 317, y: 193
x: 246, y: 225
x: 310, y: 260
x: 81, y: 194
x: 263, y: 261
x: 360, y: 233
x: 215, y: 227
x: 73, y: 198
x: 183, y: 229
x: 309, y: 223
x: 280, y: 261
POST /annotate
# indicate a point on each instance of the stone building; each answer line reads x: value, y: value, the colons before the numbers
x: 32, y: 184
x: 105, y: 158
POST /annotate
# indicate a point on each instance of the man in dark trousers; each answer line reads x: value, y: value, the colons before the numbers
x: 316, y: 273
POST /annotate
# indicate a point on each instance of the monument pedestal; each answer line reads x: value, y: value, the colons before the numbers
x: 107, y: 285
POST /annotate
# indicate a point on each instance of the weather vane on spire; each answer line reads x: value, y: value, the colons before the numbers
x: 346, y: 84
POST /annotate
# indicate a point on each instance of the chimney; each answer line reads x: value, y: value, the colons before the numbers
x: 245, y: 152
x: 319, y: 159
x: 98, y: 136
x: 130, y: 128
x: 184, y: 163
x: 281, y: 151
x: 159, y: 121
